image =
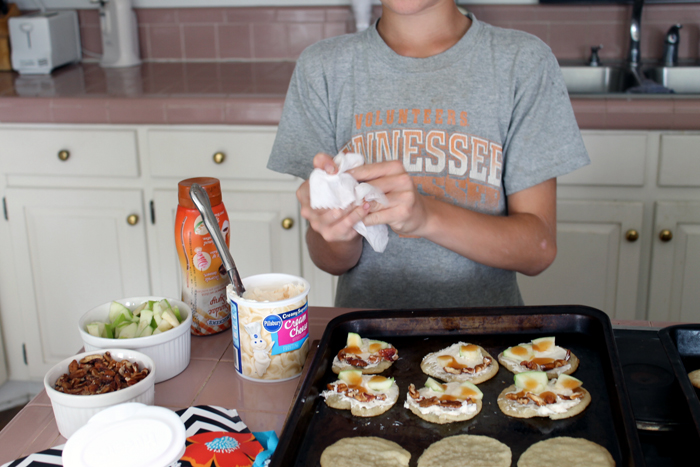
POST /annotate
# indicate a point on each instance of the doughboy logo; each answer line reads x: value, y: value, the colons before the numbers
x: 272, y: 323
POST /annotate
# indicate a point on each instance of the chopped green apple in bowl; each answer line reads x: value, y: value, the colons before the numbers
x: 147, y: 319
x: 156, y: 326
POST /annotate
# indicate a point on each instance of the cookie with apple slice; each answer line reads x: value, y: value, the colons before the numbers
x: 367, y: 355
x: 539, y: 355
x: 444, y: 402
x: 535, y: 395
x: 460, y: 362
x: 363, y: 395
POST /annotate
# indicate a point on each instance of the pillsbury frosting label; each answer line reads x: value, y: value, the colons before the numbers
x: 288, y: 330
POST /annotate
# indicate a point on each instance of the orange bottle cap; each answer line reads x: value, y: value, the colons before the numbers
x: 211, y: 185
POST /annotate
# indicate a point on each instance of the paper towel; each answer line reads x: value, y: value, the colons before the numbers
x: 340, y: 190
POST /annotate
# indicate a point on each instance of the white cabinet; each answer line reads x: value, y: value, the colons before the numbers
x: 610, y: 218
x: 596, y: 264
x: 74, y: 250
x: 89, y: 212
x: 674, y: 292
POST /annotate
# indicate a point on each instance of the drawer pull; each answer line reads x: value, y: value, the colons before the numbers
x: 665, y: 235
x: 63, y: 155
x: 287, y: 223
x: 219, y: 158
x: 132, y: 219
x: 632, y: 235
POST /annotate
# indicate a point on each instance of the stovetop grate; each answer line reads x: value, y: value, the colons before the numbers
x: 665, y: 429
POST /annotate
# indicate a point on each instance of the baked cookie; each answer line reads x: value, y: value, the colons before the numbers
x: 572, y: 452
x: 541, y: 355
x: 460, y: 362
x: 363, y: 395
x: 695, y: 378
x: 444, y: 403
x: 364, y: 451
x: 466, y: 451
x: 534, y: 395
x: 367, y: 355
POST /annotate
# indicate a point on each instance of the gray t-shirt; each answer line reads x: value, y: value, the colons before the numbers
x: 487, y: 118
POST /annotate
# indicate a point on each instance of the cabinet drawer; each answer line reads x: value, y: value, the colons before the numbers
x: 69, y: 152
x: 679, y: 160
x: 185, y: 153
x: 617, y: 159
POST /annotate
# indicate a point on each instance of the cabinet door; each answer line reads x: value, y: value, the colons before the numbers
x: 595, y: 265
x: 674, y: 291
x: 75, y: 249
x: 261, y: 240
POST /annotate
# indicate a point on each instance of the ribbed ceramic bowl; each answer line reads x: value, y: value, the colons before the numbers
x: 73, y: 411
x: 169, y: 350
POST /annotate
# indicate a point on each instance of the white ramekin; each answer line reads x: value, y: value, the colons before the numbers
x: 169, y: 350
x: 73, y: 411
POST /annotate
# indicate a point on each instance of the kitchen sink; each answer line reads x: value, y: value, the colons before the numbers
x: 682, y: 79
x: 584, y: 79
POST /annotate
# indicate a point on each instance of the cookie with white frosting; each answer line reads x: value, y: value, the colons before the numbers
x: 460, y: 362
x: 363, y: 395
x: 444, y: 402
x: 534, y: 395
x: 539, y: 355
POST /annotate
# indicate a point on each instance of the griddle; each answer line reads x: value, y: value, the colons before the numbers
x: 682, y: 344
x: 312, y: 426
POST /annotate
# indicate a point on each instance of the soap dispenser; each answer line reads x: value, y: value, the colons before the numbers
x: 362, y: 11
x: 120, y: 40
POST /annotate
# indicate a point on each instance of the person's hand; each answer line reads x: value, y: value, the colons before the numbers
x: 407, y: 211
x: 334, y: 225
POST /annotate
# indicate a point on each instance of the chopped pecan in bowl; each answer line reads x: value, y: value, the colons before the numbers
x: 99, y: 374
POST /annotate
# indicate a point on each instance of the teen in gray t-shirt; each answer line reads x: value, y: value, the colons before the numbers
x: 485, y: 119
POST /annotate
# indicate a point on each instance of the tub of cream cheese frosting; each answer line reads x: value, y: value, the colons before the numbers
x: 270, y: 327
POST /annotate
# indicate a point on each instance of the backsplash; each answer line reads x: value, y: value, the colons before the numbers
x: 272, y: 33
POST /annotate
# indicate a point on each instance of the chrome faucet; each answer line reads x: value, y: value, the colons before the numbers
x: 634, y: 57
x: 673, y: 38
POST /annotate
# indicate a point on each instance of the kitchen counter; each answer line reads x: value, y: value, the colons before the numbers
x: 250, y: 92
x: 210, y: 379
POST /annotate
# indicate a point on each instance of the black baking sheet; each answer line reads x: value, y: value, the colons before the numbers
x: 312, y: 426
x: 682, y: 345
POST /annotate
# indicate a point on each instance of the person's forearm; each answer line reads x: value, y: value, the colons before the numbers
x: 520, y: 242
x: 333, y: 257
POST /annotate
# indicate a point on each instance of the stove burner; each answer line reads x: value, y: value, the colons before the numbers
x: 648, y: 375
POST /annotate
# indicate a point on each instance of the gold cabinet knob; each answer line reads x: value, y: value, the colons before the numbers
x: 63, y: 154
x: 219, y: 158
x: 287, y: 223
x: 632, y: 235
x: 132, y: 219
x: 665, y: 235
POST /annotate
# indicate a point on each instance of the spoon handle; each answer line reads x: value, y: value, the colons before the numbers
x: 201, y: 200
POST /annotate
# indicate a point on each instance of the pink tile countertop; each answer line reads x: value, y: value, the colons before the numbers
x: 210, y: 379
x: 250, y: 92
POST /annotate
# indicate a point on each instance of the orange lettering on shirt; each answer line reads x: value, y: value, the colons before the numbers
x: 403, y: 116
x: 459, y: 160
x: 433, y: 147
x: 383, y: 150
x: 426, y: 116
x: 368, y: 119
x: 496, y: 165
x: 358, y: 141
x: 451, y: 119
x: 358, y: 122
x: 416, y: 113
x: 438, y: 116
x: 412, y: 139
x: 463, y: 119
x: 371, y: 150
x: 378, y: 121
x: 395, y: 138
x: 478, y: 170
x: 390, y: 117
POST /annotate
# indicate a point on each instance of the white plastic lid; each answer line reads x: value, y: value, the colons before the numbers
x: 132, y: 434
